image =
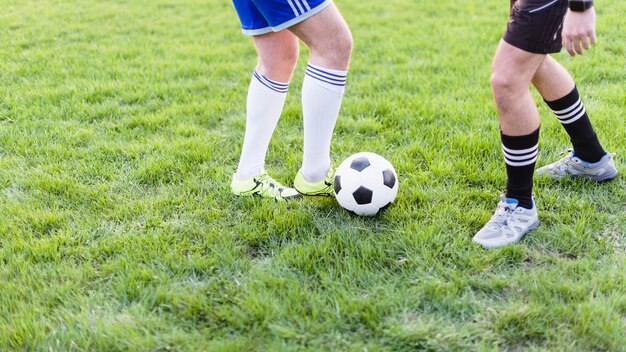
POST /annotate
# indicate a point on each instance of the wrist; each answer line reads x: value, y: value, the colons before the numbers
x: 580, y: 5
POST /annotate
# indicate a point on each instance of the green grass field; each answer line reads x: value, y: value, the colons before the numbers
x: 121, y: 123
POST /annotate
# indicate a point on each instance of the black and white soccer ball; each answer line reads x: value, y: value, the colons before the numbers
x: 365, y: 183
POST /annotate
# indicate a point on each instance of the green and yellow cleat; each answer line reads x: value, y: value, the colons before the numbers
x: 320, y: 188
x: 264, y: 186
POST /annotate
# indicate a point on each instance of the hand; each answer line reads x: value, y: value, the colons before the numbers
x: 578, y: 29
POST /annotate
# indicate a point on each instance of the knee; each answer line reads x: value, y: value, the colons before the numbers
x: 344, y: 44
x: 289, y: 59
x: 505, y: 84
x: 280, y: 64
x: 343, y: 47
x: 335, y: 51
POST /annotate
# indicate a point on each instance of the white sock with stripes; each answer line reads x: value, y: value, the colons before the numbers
x: 266, y: 99
x: 322, y: 91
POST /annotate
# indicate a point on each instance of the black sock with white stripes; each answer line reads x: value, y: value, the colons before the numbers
x: 520, y: 154
x: 571, y: 113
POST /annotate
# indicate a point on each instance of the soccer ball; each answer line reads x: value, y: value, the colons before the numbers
x: 365, y: 183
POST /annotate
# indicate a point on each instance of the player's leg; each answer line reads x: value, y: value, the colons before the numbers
x: 330, y: 42
x: 328, y: 37
x: 277, y: 56
x: 588, y: 158
x: 533, y: 31
x: 516, y: 214
x: 512, y: 72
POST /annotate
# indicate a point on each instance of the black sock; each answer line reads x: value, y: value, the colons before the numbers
x: 572, y: 114
x: 520, y: 154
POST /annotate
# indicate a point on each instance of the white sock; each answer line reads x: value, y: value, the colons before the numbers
x: 266, y: 99
x: 322, y: 91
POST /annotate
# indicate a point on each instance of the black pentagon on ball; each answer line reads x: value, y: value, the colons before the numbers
x: 389, y: 179
x: 362, y: 195
x: 337, y: 184
x: 359, y: 163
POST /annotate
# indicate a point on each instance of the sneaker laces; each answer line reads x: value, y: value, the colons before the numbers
x: 501, y: 217
x: 563, y: 163
x: 269, y: 185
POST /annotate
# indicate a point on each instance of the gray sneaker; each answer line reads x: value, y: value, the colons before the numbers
x: 570, y: 165
x: 508, y: 225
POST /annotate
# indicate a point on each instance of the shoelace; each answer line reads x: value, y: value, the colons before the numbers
x: 502, y: 216
x: 266, y: 182
x: 562, y: 164
x: 328, y: 184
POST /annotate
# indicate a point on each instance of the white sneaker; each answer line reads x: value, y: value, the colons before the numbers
x: 508, y: 225
x: 570, y: 165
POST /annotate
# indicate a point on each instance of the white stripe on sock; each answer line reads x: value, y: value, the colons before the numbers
x: 573, y: 119
x: 525, y: 163
x: 521, y: 157
x: 571, y: 113
x: 559, y: 112
x: 521, y: 151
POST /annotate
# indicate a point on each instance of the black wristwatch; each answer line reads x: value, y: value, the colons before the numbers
x: 580, y: 5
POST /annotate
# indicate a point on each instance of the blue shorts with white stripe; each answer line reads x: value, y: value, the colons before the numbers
x: 264, y: 16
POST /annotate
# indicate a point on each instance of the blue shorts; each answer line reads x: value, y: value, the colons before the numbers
x: 264, y: 16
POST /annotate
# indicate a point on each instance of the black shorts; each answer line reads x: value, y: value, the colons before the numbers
x: 535, y: 25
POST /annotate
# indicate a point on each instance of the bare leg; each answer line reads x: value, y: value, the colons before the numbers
x: 552, y: 80
x: 512, y: 72
x: 278, y: 54
x: 328, y: 37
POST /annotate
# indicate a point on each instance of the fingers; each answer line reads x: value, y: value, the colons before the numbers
x: 578, y: 46
x: 579, y: 29
x: 593, y: 37
x: 569, y: 46
x: 578, y: 43
x: 585, y: 43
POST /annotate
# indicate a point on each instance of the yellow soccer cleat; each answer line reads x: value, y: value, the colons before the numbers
x: 264, y: 186
x: 320, y: 188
